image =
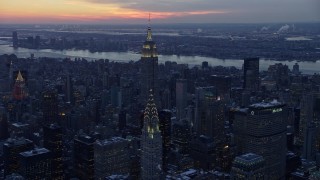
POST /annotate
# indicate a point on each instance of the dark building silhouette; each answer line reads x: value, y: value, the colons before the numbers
x: 181, y: 134
x: 52, y: 140
x: 83, y: 151
x: 69, y: 89
x: 4, y: 125
x: 35, y: 164
x: 165, y: 128
x: 222, y: 85
x: 11, y: 153
x: 122, y: 120
x: 50, y: 107
x: 202, y: 151
x: 251, y: 74
x: 15, y: 39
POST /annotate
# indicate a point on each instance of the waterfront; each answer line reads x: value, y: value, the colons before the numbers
x: 306, y: 67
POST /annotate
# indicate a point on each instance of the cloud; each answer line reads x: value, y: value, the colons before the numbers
x: 163, y: 5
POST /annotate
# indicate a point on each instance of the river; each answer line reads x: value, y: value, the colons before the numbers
x: 306, y: 67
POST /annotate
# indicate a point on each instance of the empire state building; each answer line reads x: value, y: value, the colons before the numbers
x: 149, y: 69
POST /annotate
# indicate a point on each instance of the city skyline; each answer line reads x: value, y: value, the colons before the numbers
x: 163, y: 11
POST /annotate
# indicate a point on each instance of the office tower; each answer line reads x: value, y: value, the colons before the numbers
x: 251, y: 74
x: 116, y: 96
x: 151, y: 143
x: 15, y: 39
x: 261, y: 129
x: 295, y: 69
x: 202, y: 151
x: 37, y: 42
x: 149, y: 69
x: 111, y: 157
x: 205, y: 65
x: 4, y: 125
x: 19, y: 88
x: 50, y: 107
x: 83, y: 160
x: 122, y: 123
x: 181, y: 98
x: 11, y: 150
x: 36, y: 164
x: 181, y: 134
x: 306, y: 117
x: 309, y: 145
x: 209, y: 120
x: 165, y: 128
x: 52, y: 140
x: 248, y: 166
x: 222, y: 85
x: 69, y: 89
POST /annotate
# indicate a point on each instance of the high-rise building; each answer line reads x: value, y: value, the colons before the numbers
x: 202, y: 151
x: 165, y: 128
x: 222, y: 85
x: 19, y: 88
x: 83, y: 160
x: 295, y: 69
x: 149, y: 69
x: 111, y: 157
x: 15, y: 39
x: 52, y: 140
x: 151, y: 143
x: 50, y: 107
x: 181, y: 98
x: 251, y: 74
x: 181, y: 134
x: 11, y: 150
x: 69, y: 89
x: 248, y: 166
x: 209, y: 120
x: 306, y: 117
x: 36, y: 164
x: 261, y: 129
x: 4, y: 125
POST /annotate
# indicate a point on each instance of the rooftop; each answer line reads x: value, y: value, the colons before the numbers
x: 266, y: 104
x: 34, y: 152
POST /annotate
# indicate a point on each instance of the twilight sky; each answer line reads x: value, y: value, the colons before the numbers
x: 162, y: 11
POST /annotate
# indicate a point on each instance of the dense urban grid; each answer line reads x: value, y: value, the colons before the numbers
x: 64, y: 118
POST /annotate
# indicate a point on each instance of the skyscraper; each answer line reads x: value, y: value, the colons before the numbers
x: 209, y: 114
x: 52, y: 140
x: 4, y: 125
x: 306, y: 117
x: 251, y: 74
x: 248, y: 166
x: 83, y: 151
x: 181, y: 98
x: 165, y: 128
x: 15, y: 39
x: 11, y: 150
x: 50, y: 107
x: 111, y: 157
x: 36, y: 164
x: 19, y: 89
x: 151, y: 143
x: 261, y: 129
x: 149, y: 69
